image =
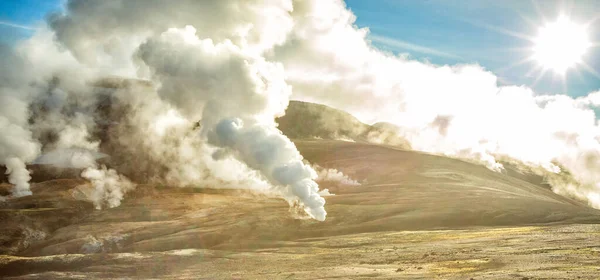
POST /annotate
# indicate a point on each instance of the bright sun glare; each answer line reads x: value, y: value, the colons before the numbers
x: 561, y: 45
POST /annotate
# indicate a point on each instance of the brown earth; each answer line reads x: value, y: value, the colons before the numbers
x: 414, y: 216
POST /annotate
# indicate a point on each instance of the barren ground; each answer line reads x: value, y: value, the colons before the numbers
x: 414, y: 216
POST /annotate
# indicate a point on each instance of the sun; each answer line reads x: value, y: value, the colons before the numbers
x: 560, y: 45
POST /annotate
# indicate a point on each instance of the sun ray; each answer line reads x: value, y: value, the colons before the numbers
x: 538, y: 10
x: 532, y: 23
x: 589, y: 69
x: 579, y: 74
x: 499, y: 30
x: 527, y: 19
x: 539, y: 76
x: 513, y: 65
x: 519, y: 49
x: 508, y: 32
x: 563, y: 79
x: 511, y: 49
x: 533, y: 70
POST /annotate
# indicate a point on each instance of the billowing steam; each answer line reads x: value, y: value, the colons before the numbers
x: 236, y: 95
x: 109, y: 187
x: 17, y: 145
x: 204, y: 118
x: 333, y: 175
x: 207, y: 78
x: 19, y: 176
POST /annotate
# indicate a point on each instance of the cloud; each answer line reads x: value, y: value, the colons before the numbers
x: 458, y: 111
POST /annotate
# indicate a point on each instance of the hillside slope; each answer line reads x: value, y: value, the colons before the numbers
x: 401, y: 191
x: 305, y: 120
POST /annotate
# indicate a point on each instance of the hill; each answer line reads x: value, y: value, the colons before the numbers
x: 414, y: 215
x: 305, y: 120
x: 401, y: 191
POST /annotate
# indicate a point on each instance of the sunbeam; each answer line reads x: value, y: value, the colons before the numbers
x: 590, y: 70
x: 539, y: 76
x: 518, y: 63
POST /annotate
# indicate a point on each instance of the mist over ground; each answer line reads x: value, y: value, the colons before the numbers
x: 190, y: 97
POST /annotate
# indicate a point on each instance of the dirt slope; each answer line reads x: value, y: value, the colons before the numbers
x: 401, y: 190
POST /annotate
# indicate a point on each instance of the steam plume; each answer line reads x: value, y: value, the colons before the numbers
x: 19, y: 176
x: 334, y: 175
x: 205, y: 65
x: 109, y: 187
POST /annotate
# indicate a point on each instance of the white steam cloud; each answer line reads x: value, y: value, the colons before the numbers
x: 109, y: 186
x: 17, y: 145
x: 19, y: 176
x: 267, y: 150
x: 333, y: 175
x: 206, y: 67
x: 213, y: 75
x: 236, y: 95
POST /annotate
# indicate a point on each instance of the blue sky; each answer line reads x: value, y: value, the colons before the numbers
x: 17, y: 15
x: 439, y: 31
x: 480, y: 31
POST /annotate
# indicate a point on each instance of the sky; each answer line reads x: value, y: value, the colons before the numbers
x: 490, y: 33
x: 487, y: 32
x: 18, y: 17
